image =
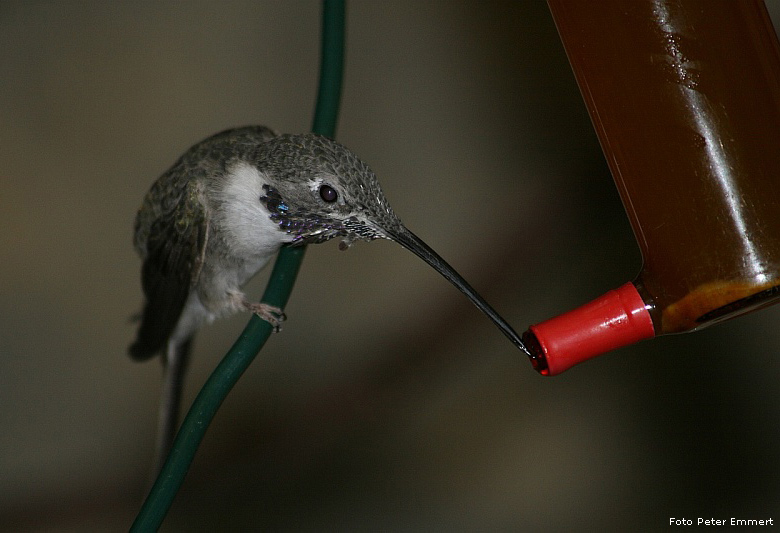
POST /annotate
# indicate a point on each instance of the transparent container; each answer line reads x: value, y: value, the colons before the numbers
x: 685, y: 99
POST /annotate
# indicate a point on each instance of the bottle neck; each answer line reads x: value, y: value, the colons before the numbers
x: 615, y: 319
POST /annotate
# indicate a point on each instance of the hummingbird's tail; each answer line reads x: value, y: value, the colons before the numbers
x: 174, y: 366
x: 141, y: 351
x: 155, y: 328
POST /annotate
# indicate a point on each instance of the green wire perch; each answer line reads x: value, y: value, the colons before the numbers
x: 277, y: 293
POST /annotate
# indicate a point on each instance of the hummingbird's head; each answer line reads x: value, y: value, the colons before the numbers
x: 317, y: 190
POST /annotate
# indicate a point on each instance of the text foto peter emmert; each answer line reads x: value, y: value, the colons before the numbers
x: 721, y: 522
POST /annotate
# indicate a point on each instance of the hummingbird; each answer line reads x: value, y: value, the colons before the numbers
x: 223, y: 210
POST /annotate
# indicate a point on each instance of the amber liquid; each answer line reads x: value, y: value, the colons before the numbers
x: 685, y: 98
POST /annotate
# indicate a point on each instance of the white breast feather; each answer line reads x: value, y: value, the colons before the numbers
x: 244, y: 218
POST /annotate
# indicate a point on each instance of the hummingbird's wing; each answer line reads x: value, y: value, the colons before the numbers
x: 172, y: 230
x: 174, y: 249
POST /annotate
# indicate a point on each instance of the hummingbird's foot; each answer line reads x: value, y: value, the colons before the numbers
x: 270, y: 313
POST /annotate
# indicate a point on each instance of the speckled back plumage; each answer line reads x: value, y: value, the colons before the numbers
x: 208, y: 158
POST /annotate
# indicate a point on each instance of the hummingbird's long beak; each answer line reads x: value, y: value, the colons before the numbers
x: 413, y: 243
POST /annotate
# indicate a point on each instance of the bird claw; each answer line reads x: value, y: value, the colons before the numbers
x: 270, y: 313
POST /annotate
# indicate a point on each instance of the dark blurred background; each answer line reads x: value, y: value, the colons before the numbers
x: 388, y: 402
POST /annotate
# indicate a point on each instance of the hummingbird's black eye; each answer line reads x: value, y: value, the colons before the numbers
x: 328, y: 193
